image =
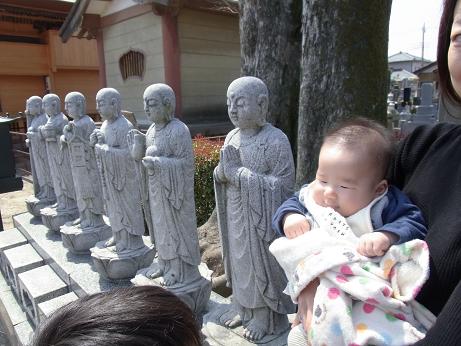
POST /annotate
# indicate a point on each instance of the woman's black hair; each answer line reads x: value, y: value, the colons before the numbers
x: 446, y: 22
x: 135, y: 316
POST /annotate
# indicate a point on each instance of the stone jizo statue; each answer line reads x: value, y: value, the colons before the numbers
x: 121, y: 193
x: 254, y: 175
x: 167, y: 156
x: 82, y: 234
x: 43, y: 184
x: 59, y: 161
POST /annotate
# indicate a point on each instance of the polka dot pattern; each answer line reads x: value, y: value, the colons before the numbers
x: 341, y: 279
x: 333, y: 293
x: 346, y: 270
x: 361, y: 327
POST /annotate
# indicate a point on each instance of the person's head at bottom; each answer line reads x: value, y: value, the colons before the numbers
x: 135, y: 316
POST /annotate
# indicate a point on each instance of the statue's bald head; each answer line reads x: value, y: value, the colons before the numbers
x: 109, y: 103
x: 166, y: 96
x: 52, y: 104
x: 250, y: 85
x: 34, y: 105
x: 109, y: 94
x: 75, y: 104
x: 254, y: 91
x: 34, y: 99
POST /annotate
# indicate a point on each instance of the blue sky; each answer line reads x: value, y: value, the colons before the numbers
x: 405, y: 27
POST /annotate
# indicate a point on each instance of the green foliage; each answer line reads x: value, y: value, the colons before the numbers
x: 206, y: 153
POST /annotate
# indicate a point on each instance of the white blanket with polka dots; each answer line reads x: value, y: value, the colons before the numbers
x: 360, y: 301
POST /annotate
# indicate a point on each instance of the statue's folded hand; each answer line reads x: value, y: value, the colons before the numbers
x: 150, y: 163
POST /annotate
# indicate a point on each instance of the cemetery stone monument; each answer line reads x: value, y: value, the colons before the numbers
x: 426, y: 113
x: 126, y: 251
x: 43, y: 185
x: 254, y: 176
x: 82, y: 234
x: 58, y: 158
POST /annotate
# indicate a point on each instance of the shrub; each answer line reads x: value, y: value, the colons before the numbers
x: 206, y: 153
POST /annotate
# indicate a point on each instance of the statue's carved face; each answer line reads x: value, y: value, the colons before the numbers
x: 155, y: 109
x: 34, y: 107
x: 50, y: 106
x: 243, y: 108
x: 72, y: 107
x: 105, y: 108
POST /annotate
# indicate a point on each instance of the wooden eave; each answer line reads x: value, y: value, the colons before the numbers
x: 87, y: 24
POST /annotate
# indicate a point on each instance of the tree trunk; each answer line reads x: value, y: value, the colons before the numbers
x: 270, y: 39
x: 344, y: 70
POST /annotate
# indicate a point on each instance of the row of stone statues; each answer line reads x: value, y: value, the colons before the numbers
x: 82, y: 173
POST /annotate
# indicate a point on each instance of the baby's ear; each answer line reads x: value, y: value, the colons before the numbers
x: 381, y: 187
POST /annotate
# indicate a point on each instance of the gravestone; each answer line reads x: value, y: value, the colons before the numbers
x: 426, y: 113
x: 8, y: 180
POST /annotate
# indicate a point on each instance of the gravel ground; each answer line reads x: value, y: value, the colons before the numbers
x: 12, y: 203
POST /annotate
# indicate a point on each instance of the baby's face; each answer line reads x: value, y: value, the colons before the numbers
x: 346, y: 180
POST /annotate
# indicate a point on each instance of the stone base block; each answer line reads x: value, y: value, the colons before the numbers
x: 80, y: 241
x: 124, y: 265
x: 18, y: 260
x: 195, y: 294
x: 39, y: 285
x: 53, y: 219
x: 8, y: 240
x: 34, y: 205
x: 216, y: 334
x: 45, y: 309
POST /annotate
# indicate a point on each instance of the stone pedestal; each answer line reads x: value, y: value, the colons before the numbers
x: 34, y: 205
x: 18, y: 260
x: 216, y: 334
x: 8, y: 240
x: 124, y: 265
x: 53, y: 219
x: 195, y: 294
x: 80, y: 241
x: 39, y: 285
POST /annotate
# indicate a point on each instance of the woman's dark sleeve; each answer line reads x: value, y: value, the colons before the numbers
x: 447, y: 329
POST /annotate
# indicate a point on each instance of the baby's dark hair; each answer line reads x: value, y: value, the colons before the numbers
x: 366, y: 135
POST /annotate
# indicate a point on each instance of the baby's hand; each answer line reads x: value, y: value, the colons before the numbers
x: 375, y: 243
x: 294, y: 225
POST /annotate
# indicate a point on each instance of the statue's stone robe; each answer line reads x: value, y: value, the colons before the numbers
x: 43, y: 184
x: 85, y: 173
x: 118, y: 178
x: 171, y: 195
x: 245, y: 210
x: 59, y: 161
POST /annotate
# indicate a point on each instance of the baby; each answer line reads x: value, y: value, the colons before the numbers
x: 351, y: 179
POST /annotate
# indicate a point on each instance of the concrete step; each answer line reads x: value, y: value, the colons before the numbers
x: 46, y: 308
x: 37, y: 286
x: 14, y: 319
x: 18, y: 260
x: 77, y: 271
x: 8, y: 239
